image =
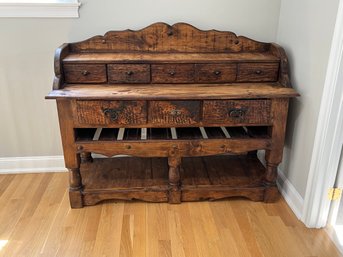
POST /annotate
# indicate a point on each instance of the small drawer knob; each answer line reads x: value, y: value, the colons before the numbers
x: 85, y: 72
x: 217, y: 72
x: 129, y: 73
x: 258, y: 72
x: 172, y: 73
x: 128, y: 146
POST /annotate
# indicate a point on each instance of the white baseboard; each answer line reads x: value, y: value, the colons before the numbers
x: 32, y: 164
x: 288, y: 191
x: 290, y: 194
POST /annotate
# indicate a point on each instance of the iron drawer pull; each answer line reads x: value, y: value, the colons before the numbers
x: 217, y: 72
x: 172, y: 73
x: 237, y: 113
x: 129, y: 73
x: 175, y: 112
x: 111, y: 113
x: 85, y: 72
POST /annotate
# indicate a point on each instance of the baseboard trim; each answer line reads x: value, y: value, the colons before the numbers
x: 287, y: 190
x: 32, y: 164
x: 290, y: 194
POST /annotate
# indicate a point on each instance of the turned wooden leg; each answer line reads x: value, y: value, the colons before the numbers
x: 174, y: 179
x: 75, y: 187
x: 271, y: 192
x: 86, y: 157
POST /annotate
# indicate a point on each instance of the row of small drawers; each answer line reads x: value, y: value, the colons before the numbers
x: 171, y: 73
x: 173, y: 113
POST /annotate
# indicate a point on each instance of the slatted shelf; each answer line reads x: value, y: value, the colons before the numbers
x: 193, y: 133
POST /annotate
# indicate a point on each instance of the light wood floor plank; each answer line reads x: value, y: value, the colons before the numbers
x: 36, y: 219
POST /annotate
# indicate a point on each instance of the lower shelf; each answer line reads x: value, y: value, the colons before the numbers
x: 202, y: 178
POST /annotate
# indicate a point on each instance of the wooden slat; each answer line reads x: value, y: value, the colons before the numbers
x: 173, y: 133
x: 97, y: 134
x: 226, y: 133
x: 143, y: 133
x: 203, y: 133
x: 121, y: 134
x: 174, y: 92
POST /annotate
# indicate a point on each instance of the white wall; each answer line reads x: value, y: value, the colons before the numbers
x: 305, y: 31
x: 28, y: 122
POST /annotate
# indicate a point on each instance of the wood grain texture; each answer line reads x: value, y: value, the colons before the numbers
x: 128, y: 73
x: 39, y: 222
x: 173, y: 73
x: 161, y: 57
x: 176, y: 92
x: 161, y: 37
x: 257, y: 72
x: 111, y: 112
x: 215, y: 73
x: 60, y: 54
x: 85, y: 73
x: 237, y: 112
x: 174, y: 112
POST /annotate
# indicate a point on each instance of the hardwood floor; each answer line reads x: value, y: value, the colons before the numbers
x: 36, y: 219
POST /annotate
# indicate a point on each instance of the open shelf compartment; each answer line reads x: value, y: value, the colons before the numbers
x: 129, y: 178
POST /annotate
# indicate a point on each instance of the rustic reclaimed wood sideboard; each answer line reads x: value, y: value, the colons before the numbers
x: 191, y: 107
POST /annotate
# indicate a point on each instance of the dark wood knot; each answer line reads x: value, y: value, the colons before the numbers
x: 170, y: 32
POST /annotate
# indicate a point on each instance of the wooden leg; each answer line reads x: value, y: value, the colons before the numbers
x: 271, y: 192
x: 174, y: 179
x: 86, y: 157
x: 71, y: 158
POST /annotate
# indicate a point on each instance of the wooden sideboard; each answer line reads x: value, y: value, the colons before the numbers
x: 191, y: 107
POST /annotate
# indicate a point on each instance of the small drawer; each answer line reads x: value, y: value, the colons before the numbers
x: 111, y: 112
x: 172, y: 73
x: 128, y: 73
x: 85, y: 73
x: 174, y: 112
x: 257, y: 72
x: 242, y: 112
x: 216, y: 73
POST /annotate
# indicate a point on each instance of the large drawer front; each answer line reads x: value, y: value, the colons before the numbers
x: 257, y: 72
x: 236, y: 112
x: 128, y: 73
x: 85, y: 73
x: 111, y: 112
x: 174, y: 112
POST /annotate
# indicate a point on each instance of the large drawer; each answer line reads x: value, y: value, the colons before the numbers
x: 85, y: 73
x: 237, y: 112
x: 111, y: 112
x: 128, y: 73
x: 257, y: 72
x: 174, y: 112
x: 172, y: 73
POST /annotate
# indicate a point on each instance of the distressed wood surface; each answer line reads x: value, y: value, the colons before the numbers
x: 237, y: 111
x: 177, y: 91
x: 169, y: 80
x: 161, y: 37
x: 85, y: 73
x: 111, y: 112
x: 128, y: 73
x: 153, y: 57
x: 174, y: 112
x: 257, y: 72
